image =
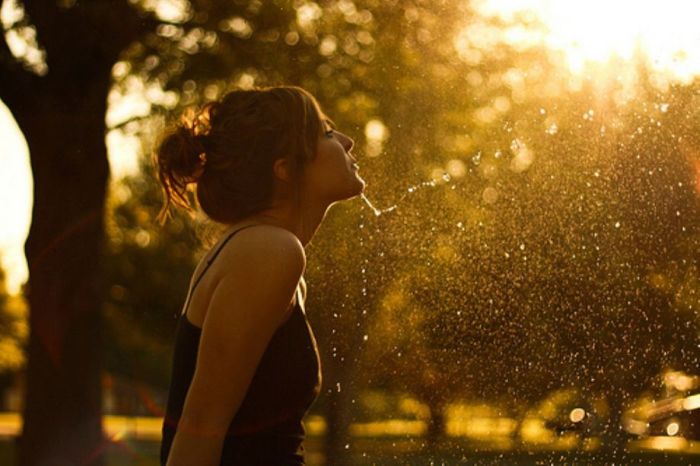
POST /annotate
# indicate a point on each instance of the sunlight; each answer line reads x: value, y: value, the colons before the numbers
x: 17, y: 197
x: 307, y: 14
x: 172, y: 11
x: 21, y: 37
x: 662, y: 33
x: 376, y: 133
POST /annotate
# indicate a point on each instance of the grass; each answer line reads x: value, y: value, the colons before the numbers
x: 395, y: 452
x: 136, y: 442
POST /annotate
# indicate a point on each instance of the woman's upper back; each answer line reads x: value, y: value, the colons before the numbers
x: 289, y: 357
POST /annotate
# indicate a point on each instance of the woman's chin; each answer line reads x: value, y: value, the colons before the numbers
x: 361, y: 185
x: 354, y: 191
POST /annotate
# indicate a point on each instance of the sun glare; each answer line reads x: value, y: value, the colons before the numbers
x: 17, y: 197
x: 662, y: 33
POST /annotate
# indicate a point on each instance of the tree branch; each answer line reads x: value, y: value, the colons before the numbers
x: 89, y: 35
x: 15, y: 79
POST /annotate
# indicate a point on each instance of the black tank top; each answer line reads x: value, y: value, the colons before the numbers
x: 267, y: 429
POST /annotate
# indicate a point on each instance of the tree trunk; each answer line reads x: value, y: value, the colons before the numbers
x: 62, y: 409
x: 613, y: 446
x: 436, y: 425
x: 62, y: 116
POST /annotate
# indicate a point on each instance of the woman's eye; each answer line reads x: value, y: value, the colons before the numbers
x: 329, y: 133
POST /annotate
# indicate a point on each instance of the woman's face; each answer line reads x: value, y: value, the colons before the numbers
x: 333, y: 174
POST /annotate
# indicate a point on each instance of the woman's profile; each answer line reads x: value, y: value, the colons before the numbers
x: 267, y: 165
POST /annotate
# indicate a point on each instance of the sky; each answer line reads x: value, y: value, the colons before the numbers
x: 16, y: 198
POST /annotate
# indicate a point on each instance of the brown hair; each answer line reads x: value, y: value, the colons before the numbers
x: 228, y: 149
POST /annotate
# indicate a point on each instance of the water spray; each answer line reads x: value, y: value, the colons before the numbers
x: 412, y: 189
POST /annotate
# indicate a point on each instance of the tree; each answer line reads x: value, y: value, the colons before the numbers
x: 60, y: 106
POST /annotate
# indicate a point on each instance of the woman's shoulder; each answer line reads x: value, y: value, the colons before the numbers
x: 262, y: 245
x: 259, y: 255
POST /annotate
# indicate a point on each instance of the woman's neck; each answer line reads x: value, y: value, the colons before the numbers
x: 302, y: 222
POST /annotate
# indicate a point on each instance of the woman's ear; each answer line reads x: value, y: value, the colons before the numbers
x: 281, y: 169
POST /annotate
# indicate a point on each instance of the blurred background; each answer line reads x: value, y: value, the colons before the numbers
x: 525, y: 289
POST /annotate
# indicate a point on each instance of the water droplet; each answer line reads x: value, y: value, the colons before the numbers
x: 476, y: 158
x: 516, y: 145
x: 489, y: 195
x: 365, y: 337
x: 663, y: 107
x: 446, y: 177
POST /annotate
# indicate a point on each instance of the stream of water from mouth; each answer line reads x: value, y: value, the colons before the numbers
x: 412, y: 189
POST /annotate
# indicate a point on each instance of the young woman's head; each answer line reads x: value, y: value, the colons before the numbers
x: 253, y: 148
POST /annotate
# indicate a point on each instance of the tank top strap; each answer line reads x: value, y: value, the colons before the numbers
x: 211, y: 261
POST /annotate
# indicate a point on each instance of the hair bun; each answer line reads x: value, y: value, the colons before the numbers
x: 188, y: 154
x: 181, y: 158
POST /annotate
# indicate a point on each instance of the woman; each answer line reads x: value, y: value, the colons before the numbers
x: 267, y: 164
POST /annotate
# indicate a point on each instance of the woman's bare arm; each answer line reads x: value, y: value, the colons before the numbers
x: 248, y: 304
